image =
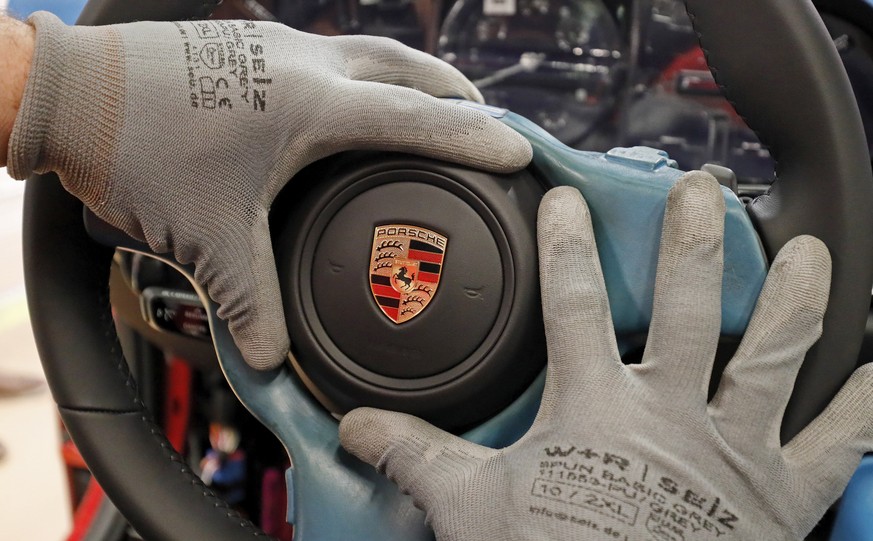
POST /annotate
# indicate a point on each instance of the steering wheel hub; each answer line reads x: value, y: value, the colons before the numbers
x: 410, y: 284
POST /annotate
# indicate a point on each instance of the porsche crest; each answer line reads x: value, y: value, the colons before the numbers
x: 405, y: 267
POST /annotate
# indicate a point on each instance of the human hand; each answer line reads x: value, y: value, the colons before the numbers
x: 635, y: 452
x: 182, y: 134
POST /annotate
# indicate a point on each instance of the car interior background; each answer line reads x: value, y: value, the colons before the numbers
x: 596, y: 74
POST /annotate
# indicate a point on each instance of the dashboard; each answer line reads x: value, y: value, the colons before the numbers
x: 596, y: 74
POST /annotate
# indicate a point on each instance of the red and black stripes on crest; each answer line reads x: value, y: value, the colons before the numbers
x: 387, y: 297
x: 431, y: 258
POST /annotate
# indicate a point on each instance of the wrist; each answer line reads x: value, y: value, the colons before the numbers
x: 70, y: 111
x: 16, y: 42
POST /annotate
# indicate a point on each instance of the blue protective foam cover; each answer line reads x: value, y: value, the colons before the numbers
x: 626, y: 193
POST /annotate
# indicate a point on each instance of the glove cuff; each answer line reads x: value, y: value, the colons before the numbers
x: 72, y: 107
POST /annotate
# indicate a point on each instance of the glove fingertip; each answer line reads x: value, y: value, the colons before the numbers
x: 809, y: 252
x: 562, y: 199
x: 508, y: 151
x: 263, y: 351
x: 264, y: 363
x: 807, y: 263
x: 363, y: 432
x: 476, y: 95
x: 558, y: 206
x: 260, y: 328
x: 697, y: 185
x: 487, y: 143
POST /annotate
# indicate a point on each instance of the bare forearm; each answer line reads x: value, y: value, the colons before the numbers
x: 16, y: 51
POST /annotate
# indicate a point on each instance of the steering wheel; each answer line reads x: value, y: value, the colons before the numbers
x: 776, y: 64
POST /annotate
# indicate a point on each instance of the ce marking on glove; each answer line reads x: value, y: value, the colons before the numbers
x: 207, y: 95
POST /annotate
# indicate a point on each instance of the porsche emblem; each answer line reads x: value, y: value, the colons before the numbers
x: 405, y: 267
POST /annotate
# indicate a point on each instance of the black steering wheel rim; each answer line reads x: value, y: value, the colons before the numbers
x: 803, y: 110
x: 800, y: 103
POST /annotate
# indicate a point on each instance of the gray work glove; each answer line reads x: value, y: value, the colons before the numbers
x: 182, y: 134
x: 635, y: 452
